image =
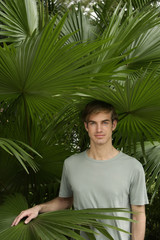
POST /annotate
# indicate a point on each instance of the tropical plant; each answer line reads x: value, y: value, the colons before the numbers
x: 153, y: 223
x: 54, y: 225
x: 22, y: 156
x: 12, y: 14
x: 52, y: 65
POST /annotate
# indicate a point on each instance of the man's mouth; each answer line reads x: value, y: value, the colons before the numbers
x: 99, y: 135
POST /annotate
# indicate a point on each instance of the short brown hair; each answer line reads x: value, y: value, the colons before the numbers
x: 97, y: 106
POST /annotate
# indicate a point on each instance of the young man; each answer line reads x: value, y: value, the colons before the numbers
x: 101, y: 177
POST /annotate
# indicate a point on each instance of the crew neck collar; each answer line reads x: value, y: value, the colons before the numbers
x: 102, y: 161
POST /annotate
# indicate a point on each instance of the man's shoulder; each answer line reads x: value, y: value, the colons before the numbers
x: 132, y: 161
x: 74, y: 158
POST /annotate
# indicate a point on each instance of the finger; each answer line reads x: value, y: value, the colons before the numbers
x: 28, y: 219
x: 18, y: 219
x: 14, y: 223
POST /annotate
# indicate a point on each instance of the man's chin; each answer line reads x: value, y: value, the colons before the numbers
x: 100, y: 142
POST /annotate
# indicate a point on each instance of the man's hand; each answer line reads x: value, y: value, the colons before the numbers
x: 30, y: 213
x: 53, y: 205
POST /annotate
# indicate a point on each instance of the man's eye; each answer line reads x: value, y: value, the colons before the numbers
x: 91, y: 123
x: 105, y: 123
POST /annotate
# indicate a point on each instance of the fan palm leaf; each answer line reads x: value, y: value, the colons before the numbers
x: 138, y: 106
x: 19, y: 19
x: 54, y: 225
x: 151, y: 161
x: 44, y: 184
x: 43, y: 67
x: 140, y: 4
x: 136, y: 102
x: 80, y: 24
x: 103, y: 12
x: 146, y: 50
x: 124, y: 33
x: 22, y: 156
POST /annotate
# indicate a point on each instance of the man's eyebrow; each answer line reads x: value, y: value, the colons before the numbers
x: 104, y: 120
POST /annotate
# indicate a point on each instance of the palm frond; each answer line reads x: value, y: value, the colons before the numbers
x: 151, y: 166
x: 19, y: 19
x: 146, y: 50
x: 103, y: 12
x: 80, y: 24
x: 54, y: 225
x: 44, y: 183
x: 137, y: 106
x: 123, y: 33
x: 140, y: 4
x: 22, y: 156
x: 44, y: 67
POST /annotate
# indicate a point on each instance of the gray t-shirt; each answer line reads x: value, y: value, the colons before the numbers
x: 114, y: 183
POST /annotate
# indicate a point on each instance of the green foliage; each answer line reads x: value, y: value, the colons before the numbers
x: 22, y: 156
x: 80, y: 25
x: 54, y: 225
x: 19, y: 19
x: 43, y: 67
x: 151, y: 159
x: 52, y: 66
x: 153, y: 223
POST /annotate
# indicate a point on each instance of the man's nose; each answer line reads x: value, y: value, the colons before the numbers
x: 99, y: 127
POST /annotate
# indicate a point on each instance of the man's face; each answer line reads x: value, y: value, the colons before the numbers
x: 99, y: 127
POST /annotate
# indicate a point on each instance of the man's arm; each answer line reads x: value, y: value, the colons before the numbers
x: 53, y: 205
x: 138, y: 228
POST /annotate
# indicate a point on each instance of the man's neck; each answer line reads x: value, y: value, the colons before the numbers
x: 102, y: 152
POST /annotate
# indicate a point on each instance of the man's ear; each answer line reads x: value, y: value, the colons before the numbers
x: 114, y: 125
x: 86, y: 126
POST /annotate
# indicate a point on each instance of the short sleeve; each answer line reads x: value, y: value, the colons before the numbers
x: 65, y: 187
x: 138, y: 192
